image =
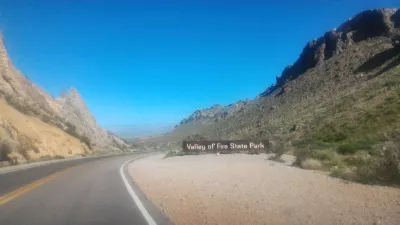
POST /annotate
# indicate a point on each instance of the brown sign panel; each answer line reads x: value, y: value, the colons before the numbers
x: 255, y: 146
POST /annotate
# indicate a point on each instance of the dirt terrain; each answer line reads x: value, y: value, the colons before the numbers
x: 248, y: 189
x: 36, y: 137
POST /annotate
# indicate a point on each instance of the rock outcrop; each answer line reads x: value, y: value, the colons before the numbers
x: 73, y: 109
x: 70, y: 126
x: 367, y: 24
x: 214, y: 113
x: 341, y: 60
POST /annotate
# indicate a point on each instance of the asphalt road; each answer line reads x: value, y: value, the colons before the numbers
x: 88, y: 191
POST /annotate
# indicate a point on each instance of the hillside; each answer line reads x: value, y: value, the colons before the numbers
x: 34, y: 124
x: 338, y: 104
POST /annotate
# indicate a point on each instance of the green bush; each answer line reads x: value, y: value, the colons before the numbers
x: 324, y: 155
x: 333, y: 136
x: 354, y: 146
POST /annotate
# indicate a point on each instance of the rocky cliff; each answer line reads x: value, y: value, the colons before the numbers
x: 377, y: 26
x: 366, y: 25
x: 57, y: 126
x: 73, y: 109
x: 214, y: 113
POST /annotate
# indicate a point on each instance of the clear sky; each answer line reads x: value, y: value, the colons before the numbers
x: 155, y: 62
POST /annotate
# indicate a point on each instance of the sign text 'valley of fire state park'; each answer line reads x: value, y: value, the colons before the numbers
x: 225, y: 146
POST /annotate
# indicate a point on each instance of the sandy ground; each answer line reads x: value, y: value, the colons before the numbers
x: 248, y: 189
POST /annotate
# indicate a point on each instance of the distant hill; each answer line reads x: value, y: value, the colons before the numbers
x: 337, y: 104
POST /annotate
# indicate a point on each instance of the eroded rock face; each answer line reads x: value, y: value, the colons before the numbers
x: 28, y: 98
x: 18, y: 89
x: 368, y: 24
x: 74, y: 110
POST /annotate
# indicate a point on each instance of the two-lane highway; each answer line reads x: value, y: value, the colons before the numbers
x: 91, y: 191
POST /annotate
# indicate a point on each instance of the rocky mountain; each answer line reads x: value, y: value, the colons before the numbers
x: 377, y: 26
x: 214, y: 113
x: 63, y: 120
x: 73, y: 109
x: 368, y: 24
x: 338, y: 104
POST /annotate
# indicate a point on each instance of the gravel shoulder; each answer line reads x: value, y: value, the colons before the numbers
x: 248, y: 189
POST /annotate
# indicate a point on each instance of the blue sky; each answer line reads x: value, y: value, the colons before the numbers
x: 155, y: 62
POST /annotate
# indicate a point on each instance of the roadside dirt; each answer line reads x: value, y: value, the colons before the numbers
x: 248, y: 189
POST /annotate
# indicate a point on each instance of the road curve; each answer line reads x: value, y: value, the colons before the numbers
x: 74, y: 193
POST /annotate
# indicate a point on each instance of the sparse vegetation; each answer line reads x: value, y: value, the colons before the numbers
x: 71, y: 130
x: 278, y: 149
x: 6, y: 147
x: 341, y: 114
x: 174, y: 153
x: 355, y: 147
x: 20, y: 105
x: 311, y: 164
x: 195, y: 137
x: 58, y: 157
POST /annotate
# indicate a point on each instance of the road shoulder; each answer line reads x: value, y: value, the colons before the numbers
x: 158, y: 216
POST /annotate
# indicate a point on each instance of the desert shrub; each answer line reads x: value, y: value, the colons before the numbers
x: 389, y: 166
x: 359, y: 159
x: 354, y: 146
x: 323, y: 155
x: 278, y: 149
x: 311, y: 164
x: 369, y: 172
x: 311, y: 143
x: 71, y: 130
x: 58, y: 157
x: 45, y: 158
x: 46, y: 119
x: 25, y: 145
x: 368, y: 169
x: 85, y: 140
x: 6, y: 147
x: 343, y: 172
x: 174, y: 153
x: 333, y: 136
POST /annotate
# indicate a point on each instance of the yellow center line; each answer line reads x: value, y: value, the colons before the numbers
x: 24, y: 189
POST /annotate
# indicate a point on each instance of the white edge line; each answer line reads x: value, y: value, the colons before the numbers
x: 135, y: 198
x: 48, y: 162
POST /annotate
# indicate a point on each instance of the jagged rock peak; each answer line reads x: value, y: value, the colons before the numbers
x: 215, y: 112
x: 365, y: 25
